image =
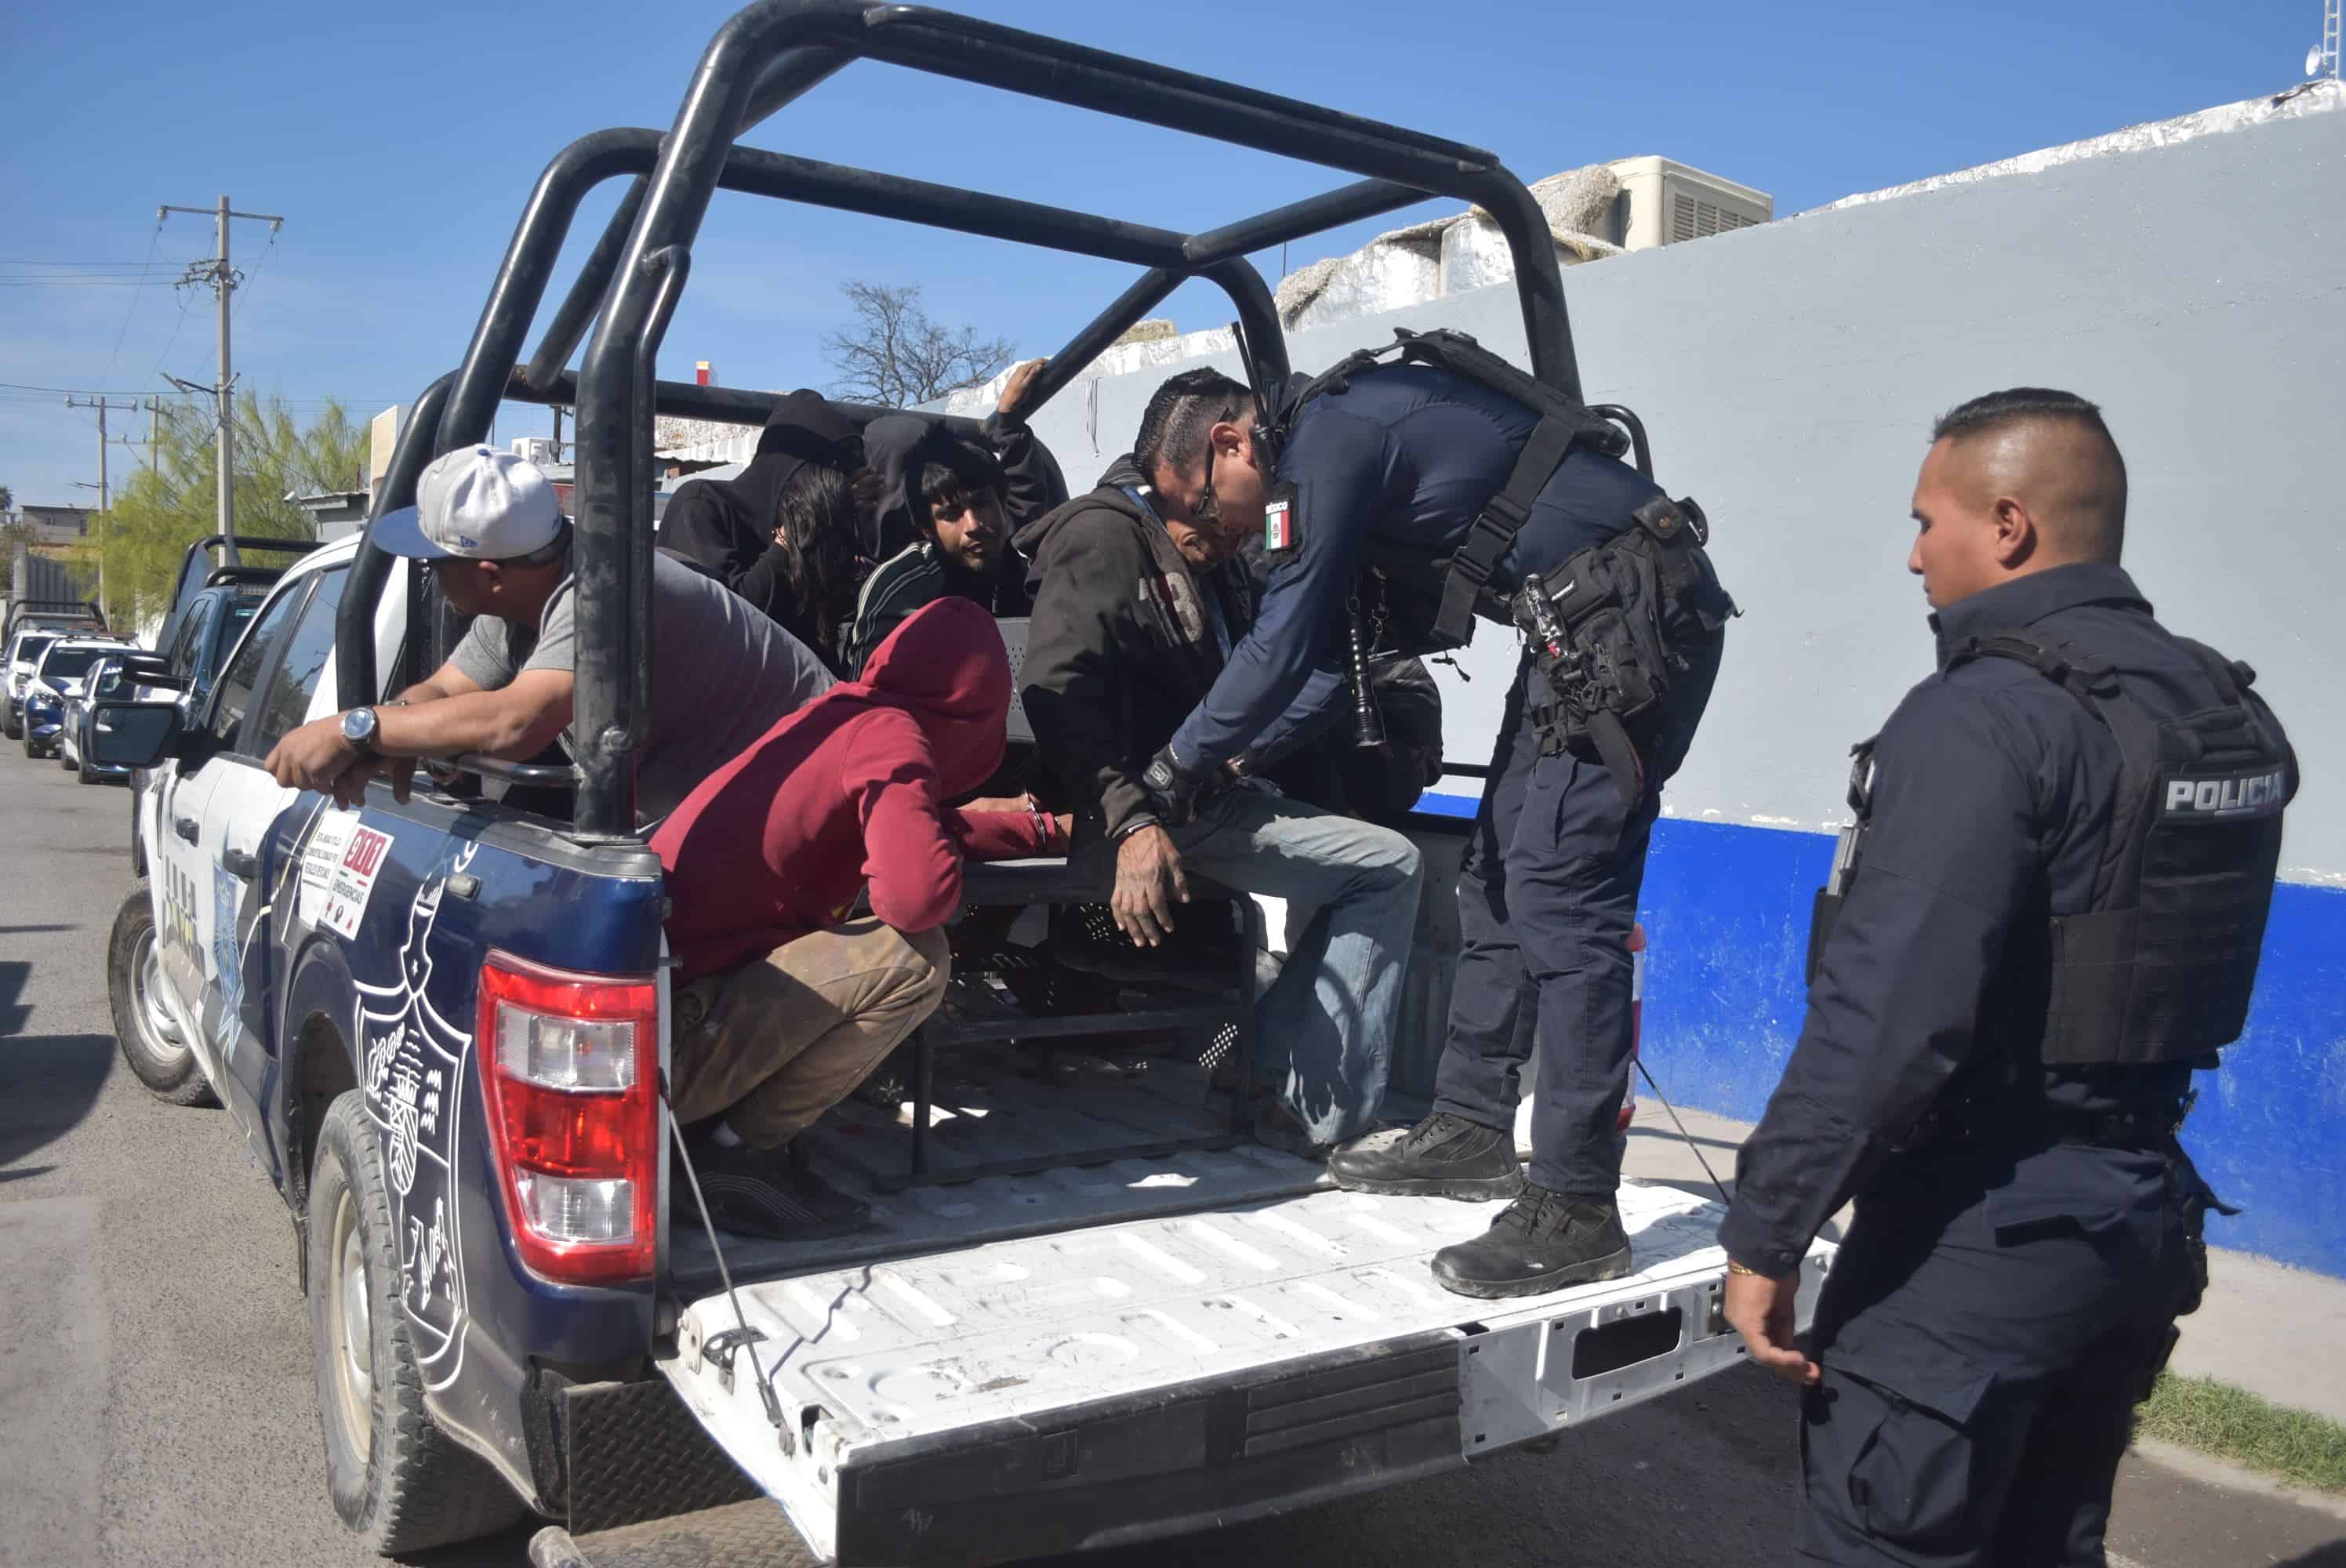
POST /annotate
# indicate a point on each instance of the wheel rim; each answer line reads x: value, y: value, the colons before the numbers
x: 353, y: 1316
x: 158, y: 1034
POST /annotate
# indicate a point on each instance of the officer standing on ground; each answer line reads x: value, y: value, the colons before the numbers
x: 2060, y: 885
x: 1409, y: 497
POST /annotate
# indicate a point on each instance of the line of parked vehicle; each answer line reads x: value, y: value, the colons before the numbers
x: 58, y: 661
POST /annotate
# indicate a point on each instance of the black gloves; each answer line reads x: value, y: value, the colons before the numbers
x: 1173, y: 788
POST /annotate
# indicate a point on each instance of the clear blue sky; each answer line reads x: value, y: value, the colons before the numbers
x: 399, y: 142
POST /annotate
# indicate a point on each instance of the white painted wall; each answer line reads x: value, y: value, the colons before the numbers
x: 1789, y: 375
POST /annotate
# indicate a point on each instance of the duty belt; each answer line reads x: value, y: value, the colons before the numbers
x: 1995, y: 1122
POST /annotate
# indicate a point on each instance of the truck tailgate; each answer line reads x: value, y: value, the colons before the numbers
x: 1051, y: 1392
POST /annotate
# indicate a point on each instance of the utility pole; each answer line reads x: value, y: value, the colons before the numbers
x: 154, y: 435
x: 557, y: 432
x: 105, y: 495
x: 105, y: 502
x: 224, y: 281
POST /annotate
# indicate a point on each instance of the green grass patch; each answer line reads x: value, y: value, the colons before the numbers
x: 2215, y: 1417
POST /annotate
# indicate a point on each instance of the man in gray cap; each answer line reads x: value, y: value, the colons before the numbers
x: 487, y: 525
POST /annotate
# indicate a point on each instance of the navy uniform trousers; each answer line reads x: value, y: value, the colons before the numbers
x: 1547, y: 895
x: 1986, y: 1332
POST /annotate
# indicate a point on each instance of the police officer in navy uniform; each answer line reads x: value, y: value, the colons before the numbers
x: 1386, y: 477
x: 2068, y: 840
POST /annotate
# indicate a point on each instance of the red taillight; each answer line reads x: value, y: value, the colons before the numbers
x: 1636, y: 1018
x: 570, y: 1069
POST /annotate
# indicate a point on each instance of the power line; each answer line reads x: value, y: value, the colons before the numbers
x: 168, y: 343
x: 44, y: 394
x: 246, y: 280
x: 127, y: 315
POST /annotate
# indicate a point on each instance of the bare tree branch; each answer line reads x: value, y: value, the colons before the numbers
x: 896, y: 355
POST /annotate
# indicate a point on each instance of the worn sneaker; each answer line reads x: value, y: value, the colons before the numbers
x: 1544, y: 1241
x: 1442, y: 1157
x: 768, y: 1192
x: 1275, y: 1127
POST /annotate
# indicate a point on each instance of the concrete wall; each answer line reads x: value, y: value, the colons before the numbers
x: 1789, y: 374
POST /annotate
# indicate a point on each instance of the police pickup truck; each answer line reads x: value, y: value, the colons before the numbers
x: 1090, y: 1311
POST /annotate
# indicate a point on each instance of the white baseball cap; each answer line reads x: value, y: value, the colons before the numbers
x: 477, y: 503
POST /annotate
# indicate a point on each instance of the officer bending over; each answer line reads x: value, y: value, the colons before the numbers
x: 1424, y: 498
x: 2059, y: 885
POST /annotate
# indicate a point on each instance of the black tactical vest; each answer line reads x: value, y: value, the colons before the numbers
x: 2160, y: 967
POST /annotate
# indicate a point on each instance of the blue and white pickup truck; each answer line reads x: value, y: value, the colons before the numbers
x: 1089, y: 1311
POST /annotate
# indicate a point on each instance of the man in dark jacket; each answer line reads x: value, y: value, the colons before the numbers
x: 1134, y: 617
x: 729, y: 527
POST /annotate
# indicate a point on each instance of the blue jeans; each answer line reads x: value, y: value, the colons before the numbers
x: 1323, y: 1031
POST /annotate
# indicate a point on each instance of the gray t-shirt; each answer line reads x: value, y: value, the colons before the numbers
x: 722, y: 675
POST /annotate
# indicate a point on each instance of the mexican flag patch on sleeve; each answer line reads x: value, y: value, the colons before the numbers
x: 1279, y: 524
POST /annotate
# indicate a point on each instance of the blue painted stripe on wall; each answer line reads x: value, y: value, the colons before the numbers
x: 1726, y: 909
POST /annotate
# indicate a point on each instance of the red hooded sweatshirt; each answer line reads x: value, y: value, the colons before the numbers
x: 846, y: 792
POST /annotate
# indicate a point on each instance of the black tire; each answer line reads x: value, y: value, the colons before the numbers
x: 141, y: 1027
x: 64, y: 762
x: 395, y: 1477
x: 84, y: 776
x: 13, y: 727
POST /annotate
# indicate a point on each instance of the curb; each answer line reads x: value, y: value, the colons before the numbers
x: 2224, y: 1473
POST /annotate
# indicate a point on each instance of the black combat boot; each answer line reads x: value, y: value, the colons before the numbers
x: 1544, y: 1241
x: 1442, y: 1157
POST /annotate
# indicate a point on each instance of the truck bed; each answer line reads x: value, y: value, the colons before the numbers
x: 1049, y: 1392
x: 993, y: 1108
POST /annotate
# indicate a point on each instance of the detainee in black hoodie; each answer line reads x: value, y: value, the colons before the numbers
x: 726, y: 526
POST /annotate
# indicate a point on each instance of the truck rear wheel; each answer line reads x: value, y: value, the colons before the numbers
x: 143, y: 1025
x: 395, y: 1477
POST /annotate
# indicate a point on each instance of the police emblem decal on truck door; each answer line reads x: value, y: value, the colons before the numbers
x: 414, y: 1063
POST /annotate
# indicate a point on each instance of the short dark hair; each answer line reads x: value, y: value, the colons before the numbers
x: 546, y: 555
x: 1174, y: 426
x: 2098, y: 500
x: 2019, y: 405
x: 947, y: 488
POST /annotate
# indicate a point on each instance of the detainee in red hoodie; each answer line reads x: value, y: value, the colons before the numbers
x: 785, y: 1005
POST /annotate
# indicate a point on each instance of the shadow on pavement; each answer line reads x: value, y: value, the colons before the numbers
x: 13, y: 1013
x: 54, y: 1079
x: 30, y: 929
x: 1670, y: 1135
x: 2330, y: 1556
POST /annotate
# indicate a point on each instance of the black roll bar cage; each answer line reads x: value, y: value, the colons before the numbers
x: 767, y: 55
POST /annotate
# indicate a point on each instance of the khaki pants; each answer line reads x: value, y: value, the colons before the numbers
x: 772, y: 1044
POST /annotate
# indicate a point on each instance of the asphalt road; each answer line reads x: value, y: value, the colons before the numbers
x: 154, y: 1385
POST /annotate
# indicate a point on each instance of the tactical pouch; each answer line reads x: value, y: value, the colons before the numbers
x: 1605, y: 628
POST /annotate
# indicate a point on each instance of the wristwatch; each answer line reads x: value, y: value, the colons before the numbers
x: 357, y: 728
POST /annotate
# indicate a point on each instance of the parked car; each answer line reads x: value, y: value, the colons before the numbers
x: 195, y: 644
x: 110, y: 678
x: 63, y: 666
x: 25, y: 647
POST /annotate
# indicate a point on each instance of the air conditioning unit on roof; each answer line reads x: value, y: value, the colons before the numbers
x: 537, y: 449
x: 1664, y: 202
